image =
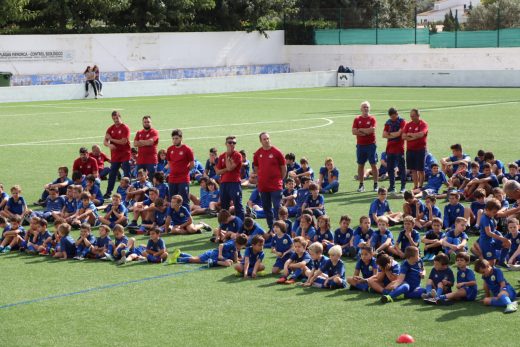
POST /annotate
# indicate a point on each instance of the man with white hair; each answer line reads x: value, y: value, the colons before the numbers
x: 364, y: 128
x: 512, y: 189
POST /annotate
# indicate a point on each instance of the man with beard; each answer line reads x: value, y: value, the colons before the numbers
x: 146, y: 141
x: 117, y: 138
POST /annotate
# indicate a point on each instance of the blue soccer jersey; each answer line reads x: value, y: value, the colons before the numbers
x: 451, y: 236
x: 515, y: 177
x: 103, y: 242
x: 441, y: 275
x: 325, y: 173
x: 405, y: 242
x: 379, y: 208
x: 360, y: 236
x: 54, y: 205
x: 453, y: 158
x: 71, y: 205
x: 235, y: 225
x: 493, y: 182
x: 317, y: 264
x: 493, y: 281
x: 322, y: 236
x: 435, y: 181
x: 515, y: 242
x: 229, y: 249
x: 156, y: 246
x: 253, y: 257
x: 40, y: 239
x: 343, y: 237
x: 122, y: 240
x: 121, y: 209
x: 475, y: 206
x: 486, y: 221
x: 180, y: 216
x: 380, y: 238
x: 435, y: 211
x: 412, y: 273
x: 451, y: 212
x: 90, y: 206
x: 413, y: 208
x: 282, y: 244
x: 331, y: 269
x: 311, y: 202
x: 122, y: 191
x: 308, y: 169
x: 311, y: 232
x: 16, y: 207
x: 68, y: 246
x: 96, y: 194
x: 164, y: 190
x: 395, y: 268
x: 305, y: 257
x: 301, y: 197
x: 366, y: 270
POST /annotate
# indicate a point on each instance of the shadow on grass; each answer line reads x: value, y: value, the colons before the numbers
x: 457, y: 310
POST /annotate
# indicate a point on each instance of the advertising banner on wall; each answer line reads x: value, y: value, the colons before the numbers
x: 36, y: 55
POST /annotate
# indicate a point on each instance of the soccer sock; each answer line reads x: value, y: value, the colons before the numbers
x: 386, y: 292
x: 501, y: 301
x: 296, y: 273
x: 442, y: 297
x: 403, y: 288
x: 428, y: 288
x: 503, y: 255
x: 185, y: 255
x: 439, y: 292
x: 183, y: 259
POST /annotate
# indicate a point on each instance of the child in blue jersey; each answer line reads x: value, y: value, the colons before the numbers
x: 251, y: 229
x: 211, y: 164
x: 503, y: 213
x: 86, y: 212
x: 498, y: 291
x: 497, y: 167
x: 456, y: 240
x: 514, y: 237
x: 493, y: 246
x: 53, y: 206
x: 84, y: 242
x: 209, y: 200
x: 103, y: 243
x: 433, y: 240
x: 450, y: 164
x: 297, y: 265
x: 283, y: 214
x: 429, y: 159
x: 290, y: 162
x: 477, y: 209
x: 52, y: 244
x: 486, y: 180
x: 244, y: 169
x: 35, y: 245
x: 409, y: 280
x: 436, y: 180
x: 70, y: 207
x: 15, y: 205
x: 315, y: 201
x: 254, y: 207
x: 30, y: 233
x: 4, y: 197
x: 124, y: 185
x: 303, y: 171
x: 115, y: 213
x: 251, y: 263
x: 323, y: 234
x: 344, y: 237
x: 466, y: 288
x: 13, y: 235
x: 407, y: 237
x: 154, y: 252
x: 121, y: 246
x: 138, y: 190
x: 513, y: 173
x: 301, y: 197
x: 159, y: 183
x: 431, y: 211
x: 289, y: 193
x: 318, y: 260
x: 441, y: 277
x: 162, y: 163
x: 413, y: 207
x: 229, y: 226
x: 225, y: 255
x: 93, y: 189
x: 380, y: 207
x: 460, y: 179
x: 179, y: 221
x: 366, y: 267
x: 362, y: 234
x: 281, y: 246
x: 306, y: 230
x: 157, y: 220
x: 144, y: 209
x: 67, y: 249
x: 329, y: 177
x: 382, y: 240
x: 331, y: 275
x: 453, y: 210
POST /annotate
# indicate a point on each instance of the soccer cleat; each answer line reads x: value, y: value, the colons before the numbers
x: 206, y: 227
x: 514, y: 267
x: 133, y: 225
x: 174, y: 256
x: 210, y: 263
x: 376, y: 187
x: 1, y: 249
x: 512, y: 307
x: 433, y: 293
x: 109, y: 256
x: 76, y: 257
x: 431, y: 301
x: 504, y: 265
x: 44, y: 252
x: 122, y: 261
x: 86, y: 95
x: 100, y: 94
x: 386, y: 299
x: 425, y: 296
x: 106, y: 196
x: 391, y: 190
x: 281, y: 280
x: 6, y: 250
x: 402, y: 190
x: 361, y: 188
x: 290, y: 281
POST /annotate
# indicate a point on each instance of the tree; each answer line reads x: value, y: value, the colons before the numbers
x: 13, y: 11
x: 450, y: 23
x: 506, y: 13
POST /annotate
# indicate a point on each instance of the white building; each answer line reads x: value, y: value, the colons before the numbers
x: 441, y: 8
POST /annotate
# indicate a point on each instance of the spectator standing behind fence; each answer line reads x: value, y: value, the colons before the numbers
x: 90, y: 76
x: 99, y: 85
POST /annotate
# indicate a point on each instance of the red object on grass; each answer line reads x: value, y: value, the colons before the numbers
x: 405, y: 338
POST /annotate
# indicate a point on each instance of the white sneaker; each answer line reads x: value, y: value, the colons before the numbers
x: 100, y: 94
x: 361, y: 189
x: 109, y: 256
x: 86, y: 95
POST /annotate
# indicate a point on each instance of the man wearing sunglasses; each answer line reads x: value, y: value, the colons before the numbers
x: 228, y: 167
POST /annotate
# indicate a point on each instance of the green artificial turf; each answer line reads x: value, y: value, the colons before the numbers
x: 62, y: 303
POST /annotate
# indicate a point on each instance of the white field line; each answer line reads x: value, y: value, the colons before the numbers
x: 62, y: 112
x: 42, y: 143
x: 255, y: 123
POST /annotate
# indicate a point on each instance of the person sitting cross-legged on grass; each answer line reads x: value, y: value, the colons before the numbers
x: 409, y: 280
x: 366, y: 267
x: 331, y: 275
x: 179, y: 221
x: 121, y: 247
x: 251, y: 263
x: 281, y: 245
x: 387, y: 273
x: 441, y: 277
x: 295, y: 267
x: 225, y: 255
x: 67, y: 249
x: 116, y: 213
x: 317, y: 261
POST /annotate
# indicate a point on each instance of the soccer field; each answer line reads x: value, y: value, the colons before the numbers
x: 60, y: 303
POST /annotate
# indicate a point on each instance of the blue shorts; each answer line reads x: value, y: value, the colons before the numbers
x: 334, y: 285
x: 415, y: 160
x: 471, y: 293
x: 366, y: 152
x: 211, y: 254
x: 362, y: 286
x: 139, y: 250
x: 280, y: 262
x: 153, y: 259
x: 489, y: 251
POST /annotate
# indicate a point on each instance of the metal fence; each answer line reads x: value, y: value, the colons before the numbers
x: 349, y: 26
